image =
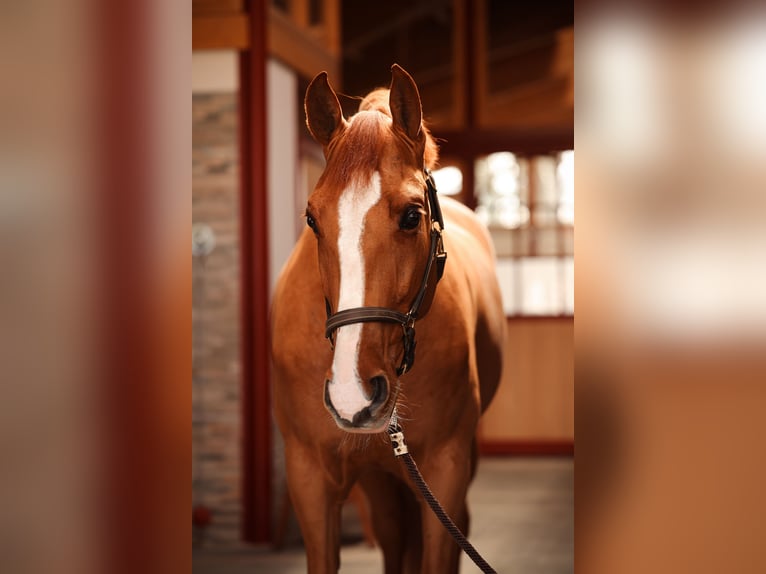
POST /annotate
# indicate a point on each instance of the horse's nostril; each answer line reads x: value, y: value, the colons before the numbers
x: 379, y: 390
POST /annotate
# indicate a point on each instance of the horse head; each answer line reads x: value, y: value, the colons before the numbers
x: 372, y: 221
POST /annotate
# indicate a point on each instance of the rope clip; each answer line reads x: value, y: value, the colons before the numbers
x: 397, y: 441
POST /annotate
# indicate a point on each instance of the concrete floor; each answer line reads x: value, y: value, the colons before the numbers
x: 522, y: 522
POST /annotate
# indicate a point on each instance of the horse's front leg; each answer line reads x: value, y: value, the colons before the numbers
x: 448, y: 474
x: 317, y: 503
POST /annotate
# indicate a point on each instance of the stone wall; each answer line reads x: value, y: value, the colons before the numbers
x: 216, y: 406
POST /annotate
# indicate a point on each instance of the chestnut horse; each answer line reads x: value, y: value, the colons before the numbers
x: 369, y: 246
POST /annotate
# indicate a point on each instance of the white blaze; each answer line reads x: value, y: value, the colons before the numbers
x: 346, y: 392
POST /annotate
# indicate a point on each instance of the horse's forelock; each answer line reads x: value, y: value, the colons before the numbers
x: 354, y: 156
x: 377, y: 100
x: 357, y: 150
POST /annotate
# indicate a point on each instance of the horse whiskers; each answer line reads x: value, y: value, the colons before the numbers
x: 405, y: 417
x: 339, y: 448
x: 351, y: 442
x: 402, y: 408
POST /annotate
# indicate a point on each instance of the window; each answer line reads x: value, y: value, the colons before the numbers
x: 513, y: 191
x: 448, y: 180
x: 528, y: 204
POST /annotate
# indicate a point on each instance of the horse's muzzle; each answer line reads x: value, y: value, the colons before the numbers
x: 371, y: 418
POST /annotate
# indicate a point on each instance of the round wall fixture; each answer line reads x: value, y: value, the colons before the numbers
x: 203, y: 239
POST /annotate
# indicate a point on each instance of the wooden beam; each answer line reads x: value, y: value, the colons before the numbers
x: 299, y: 13
x: 331, y: 27
x: 217, y: 7
x: 221, y: 32
x: 254, y: 248
x: 299, y: 51
x: 469, y: 144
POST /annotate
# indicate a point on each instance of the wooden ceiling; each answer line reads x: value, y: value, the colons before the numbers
x: 499, y: 73
x: 304, y: 34
x: 485, y: 64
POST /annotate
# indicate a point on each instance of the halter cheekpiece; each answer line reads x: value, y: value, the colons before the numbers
x: 437, y: 255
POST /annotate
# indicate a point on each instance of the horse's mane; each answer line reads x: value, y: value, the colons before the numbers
x: 363, y: 141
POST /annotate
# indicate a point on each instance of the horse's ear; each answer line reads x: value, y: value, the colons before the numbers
x: 404, y: 101
x: 323, y: 112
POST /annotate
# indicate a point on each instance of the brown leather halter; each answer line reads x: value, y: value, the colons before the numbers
x: 437, y: 255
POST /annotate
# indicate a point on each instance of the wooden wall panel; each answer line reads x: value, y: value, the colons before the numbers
x: 535, y: 401
x: 221, y: 32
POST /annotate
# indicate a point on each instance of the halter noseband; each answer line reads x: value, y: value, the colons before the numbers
x: 437, y: 255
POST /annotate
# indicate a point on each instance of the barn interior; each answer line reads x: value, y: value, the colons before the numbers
x: 496, y: 80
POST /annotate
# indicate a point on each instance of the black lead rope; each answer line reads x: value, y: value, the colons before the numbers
x: 401, y: 451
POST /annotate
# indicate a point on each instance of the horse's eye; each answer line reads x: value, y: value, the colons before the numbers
x: 410, y: 219
x: 311, y: 222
